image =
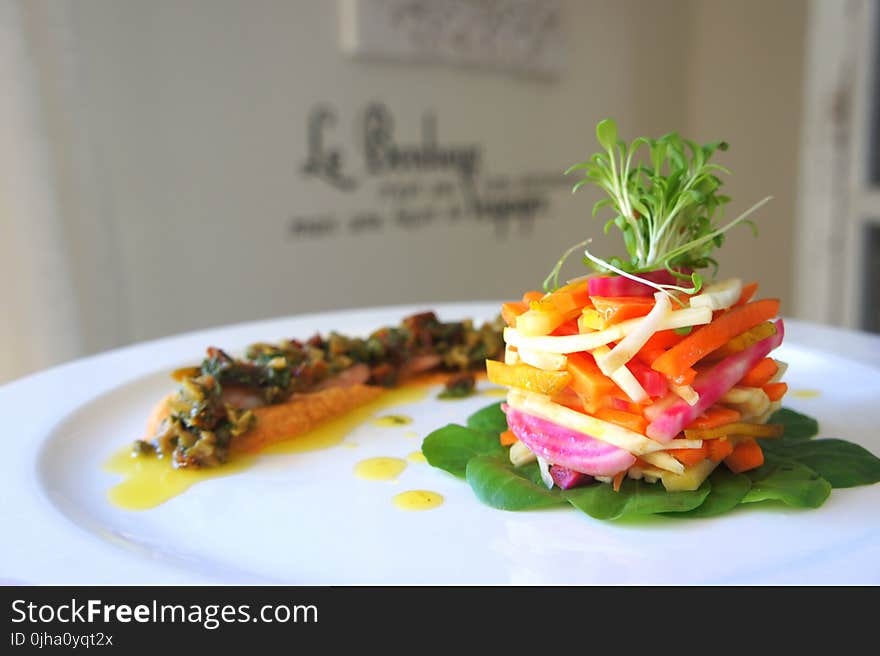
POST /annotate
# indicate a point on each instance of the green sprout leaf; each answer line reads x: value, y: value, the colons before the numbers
x: 665, y: 198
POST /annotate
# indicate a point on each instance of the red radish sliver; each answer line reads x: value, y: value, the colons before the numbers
x: 567, y: 448
x: 565, y: 478
x: 653, y: 381
x: 711, y: 386
x: 620, y: 286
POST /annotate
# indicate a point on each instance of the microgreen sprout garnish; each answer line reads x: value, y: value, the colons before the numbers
x: 551, y: 282
x: 666, y: 205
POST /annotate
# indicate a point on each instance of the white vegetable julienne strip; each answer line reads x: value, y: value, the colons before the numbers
x: 511, y: 355
x: 683, y: 444
x: 645, y: 471
x: 623, y: 377
x: 627, y: 348
x: 756, y: 408
x: 664, y: 461
x: 741, y: 395
x: 520, y: 454
x: 719, y: 296
x: 592, y: 340
x: 686, y: 392
x: 780, y: 372
x: 544, y: 468
x: 773, y: 407
x: 536, y: 404
x: 543, y: 360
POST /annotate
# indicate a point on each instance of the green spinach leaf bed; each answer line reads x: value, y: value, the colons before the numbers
x: 798, y: 471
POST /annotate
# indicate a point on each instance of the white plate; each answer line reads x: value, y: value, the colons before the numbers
x: 305, y: 519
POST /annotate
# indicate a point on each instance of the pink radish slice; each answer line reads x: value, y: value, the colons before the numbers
x: 562, y: 446
x: 620, y: 286
x: 566, y: 479
x: 652, y: 381
x: 711, y: 386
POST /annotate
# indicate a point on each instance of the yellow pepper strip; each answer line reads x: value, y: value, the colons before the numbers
x: 591, y: 320
x: 743, y: 341
x: 542, y: 318
x: 735, y: 428
x: 527, y: 377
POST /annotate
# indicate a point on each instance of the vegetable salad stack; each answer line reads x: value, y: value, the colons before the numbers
x: 629, y: 373
x: 638, y: 389
x: 609, y: 377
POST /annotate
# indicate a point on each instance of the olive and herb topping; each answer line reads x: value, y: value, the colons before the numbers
x: 203, y: 419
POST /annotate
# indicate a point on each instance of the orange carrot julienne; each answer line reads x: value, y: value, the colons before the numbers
x: 657, y: 345
x: 746, y: 295
x: 618, y: 480
x: 647, y: 355
x: 760, y: 374
x: 775, y: 391
x: 706, y: 339
x: 686, y: 377
x: 588, y: 381
x: 567, y: 328
x: 628, y: 420
x: 570, y: 399
x: 690, y: 457
x: 719, y: 449
x: 614, y: 309
x: 507, y: 438
x: 746, y: 455
x: 529, y: 297
x: 510, y: 311
x: 663, y: 339
x: 573, y: 296
x: 715, y: 416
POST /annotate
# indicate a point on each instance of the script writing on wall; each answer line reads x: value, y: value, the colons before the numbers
x: 413, y: 184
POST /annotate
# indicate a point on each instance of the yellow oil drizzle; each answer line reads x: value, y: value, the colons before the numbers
x: 148, y: 482
x: 417, y: 500
x: 334, y: 431
x: 499, y: 392
x: 806, y: 393
x: 379, y: 469
x: 412, y: 434
x: 416, y: 456
x: 151, y: 481
x: 392, y: 420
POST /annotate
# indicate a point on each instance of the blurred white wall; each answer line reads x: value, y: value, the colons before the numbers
x: 175, y: 134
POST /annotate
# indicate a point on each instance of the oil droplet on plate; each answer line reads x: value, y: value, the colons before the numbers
x: 411, y: 434
x: 392, y: 420
x: 417, y: 500
x: 150, y: 481
x: 416, y: 456
x: 379, y: 469
x: 806, y: 393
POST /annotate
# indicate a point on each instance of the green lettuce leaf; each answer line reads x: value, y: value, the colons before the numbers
x: 841, y: 463
x: 634, y: 498
x: 499, y: 484
x: 451, y: 447
x: 787, y: 481
x: 728, y: 490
